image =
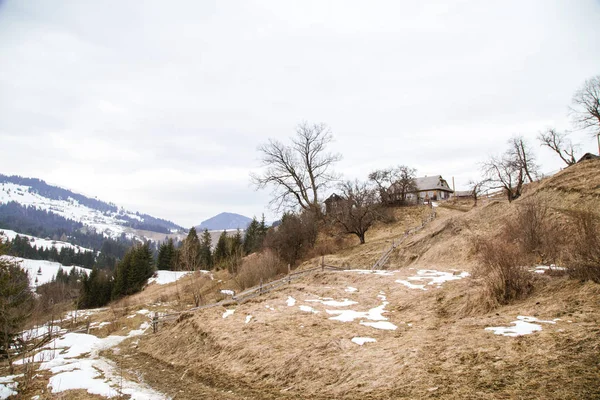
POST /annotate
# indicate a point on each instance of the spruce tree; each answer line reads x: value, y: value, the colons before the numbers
x: 189, y: 255
x: 205, y: 250
x: 221, y: 250
x: 251, y: 236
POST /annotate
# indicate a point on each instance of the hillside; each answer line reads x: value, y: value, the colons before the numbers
x: 28, y: 202
x: 225, y: 221
x: 412, y: 330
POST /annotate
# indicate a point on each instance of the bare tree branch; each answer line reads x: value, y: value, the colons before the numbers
x: 560, y: 144
x: 585, y: 109
x: 300, y: 171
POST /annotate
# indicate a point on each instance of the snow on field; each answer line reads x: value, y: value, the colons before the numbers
x: 371, y: 272
x: 308, y: 309
x: 351, y: 289
x: 228, y: 292
x: 74, y: 362
x: 227, y: 313
x: 374, y: 314
x: 542, y: 269
x: 43, y: 271
x: 386, y: 325
x: 8, y: 386
x: 38, y: 331
x: 362, y: 340
x: 248, y: 318
x: 333, y: 303
x: 430, y: 277
x: 164, y: 277
x: 524, y: 325
x: 7, y: 234
x: 291, y: 301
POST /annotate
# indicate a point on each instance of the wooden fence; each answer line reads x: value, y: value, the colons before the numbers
x: 388, y: 252
x: 246, y: 295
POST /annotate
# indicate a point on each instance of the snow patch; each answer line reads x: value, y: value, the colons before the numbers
x: 164, y: 277
x: 291, y: 301
x: 431, y: 277
x: 227, y: 313
x: 362, y: 340
x: 371, y: 272
x: 41, y: 270
x: 386, y: 325
x: 351, y: 289
x: 248, y: 318
x: 308, y: 309
x: 522, y: 326
x: 334, y: 303
x: 228, y: 292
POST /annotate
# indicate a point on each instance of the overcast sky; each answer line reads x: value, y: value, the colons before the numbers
x: 159, y: 106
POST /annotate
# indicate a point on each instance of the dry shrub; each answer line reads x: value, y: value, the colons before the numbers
x: 502, y: 273
x: 535, y: 233
x: 294, y: 238
x: 583, y: 260
x: 262, y: 266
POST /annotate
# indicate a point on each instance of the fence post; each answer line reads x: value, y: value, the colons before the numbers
x: 289, y: 277
x: 155, y: 322
x: 87, y: 326
x: 322, y: 263
x: 260, y: 289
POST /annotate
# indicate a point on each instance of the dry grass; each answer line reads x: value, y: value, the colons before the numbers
x: 257, y: 268
x: 287, y: 353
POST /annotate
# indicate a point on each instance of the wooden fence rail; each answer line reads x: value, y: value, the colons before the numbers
x: 388, y: 252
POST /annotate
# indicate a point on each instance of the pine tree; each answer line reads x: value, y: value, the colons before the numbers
x: 250, y: 236
x: 189, y: 256
x: 221, y: 249
x: 206, y: 256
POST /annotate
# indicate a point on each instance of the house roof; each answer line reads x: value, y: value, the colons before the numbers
x: 588, y: 156
x: 333, y: 197
x: 435, y: 182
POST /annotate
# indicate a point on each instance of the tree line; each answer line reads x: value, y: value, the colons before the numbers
x: 20, y: 246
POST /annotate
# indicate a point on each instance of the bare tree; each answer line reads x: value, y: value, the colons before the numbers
x: 394, y: 183
x: 585, y: 109
x: 477, y: 188
x: 502, y: 173
x: 520, y: 154
x: 359, y: 209
x: 300, y: 171
x: 560, y: 144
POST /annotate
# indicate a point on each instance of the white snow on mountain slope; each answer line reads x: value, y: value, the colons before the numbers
x: 42, y: 270
x: 110, y: 224
x: 7, y: 234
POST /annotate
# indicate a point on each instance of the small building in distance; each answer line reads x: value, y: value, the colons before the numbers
x: 430, y: 188
x: 588, y: 156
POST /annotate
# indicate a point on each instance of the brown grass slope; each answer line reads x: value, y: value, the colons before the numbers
x: 439, y: 350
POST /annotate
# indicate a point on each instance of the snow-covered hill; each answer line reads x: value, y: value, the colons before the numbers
x: 41, y: 270
x: 111, y: 224
x: 7, y: 234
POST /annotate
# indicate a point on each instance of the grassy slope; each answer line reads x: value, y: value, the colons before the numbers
x: 444, y: 353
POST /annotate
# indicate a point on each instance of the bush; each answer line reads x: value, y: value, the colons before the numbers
x: 294, y: 238
x: 259, y: 266
x: 583, y: 261
x: 502, y: 272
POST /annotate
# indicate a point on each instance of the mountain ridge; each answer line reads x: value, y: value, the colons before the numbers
x: 225, y: 221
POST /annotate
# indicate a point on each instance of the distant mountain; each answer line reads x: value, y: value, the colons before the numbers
x: 225, y: 221
x: 29, y: 205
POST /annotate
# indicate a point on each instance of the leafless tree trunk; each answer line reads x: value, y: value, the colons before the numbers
x: 300, y: 171
x: 585, y: 109
x: 477, y: 188
x: 504, y: 174
x: 520, y: 154
x: 560, y: 144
